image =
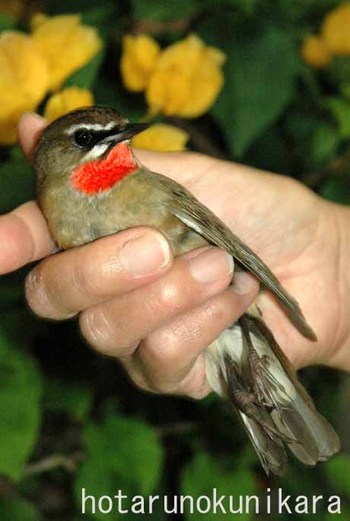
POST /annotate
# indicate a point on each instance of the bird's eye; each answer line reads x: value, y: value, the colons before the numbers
x: 83, y: 138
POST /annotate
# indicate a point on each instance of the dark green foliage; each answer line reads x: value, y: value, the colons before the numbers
x: 69, y: 419
x: 20, y: 389
x: 259, y: 75
x: 17, y: 509
x: 7, y: 22
x: 17, y: 183
x: 122, y: 453
x: 162, y: 11
x: 204, y: 473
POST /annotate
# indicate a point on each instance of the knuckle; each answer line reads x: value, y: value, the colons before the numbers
x: 171, y: 297
x: 37, y: 293
x: 96, y: 330
x: 141, y: 383
x: 194, y: 384
x: 190, y: 381
x: 31, y: 288
x: 103, y: 335
x: 161, y: 386
x: 163, y: 347
x: 137, y: 378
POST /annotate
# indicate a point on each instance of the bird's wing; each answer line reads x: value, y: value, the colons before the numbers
x: 203, y: 221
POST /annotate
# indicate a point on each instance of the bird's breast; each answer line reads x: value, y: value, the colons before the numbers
x: 75, y: 218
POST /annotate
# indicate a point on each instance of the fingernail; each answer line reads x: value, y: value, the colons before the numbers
x: 145, y: 254
x: 211, y: 264
x: 244, y: 283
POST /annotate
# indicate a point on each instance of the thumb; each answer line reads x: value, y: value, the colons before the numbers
x: 29, y: 129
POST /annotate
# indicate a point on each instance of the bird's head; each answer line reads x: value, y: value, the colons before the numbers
x: 90, y: 147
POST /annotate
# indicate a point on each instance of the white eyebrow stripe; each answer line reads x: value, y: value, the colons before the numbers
x: 89, y: 126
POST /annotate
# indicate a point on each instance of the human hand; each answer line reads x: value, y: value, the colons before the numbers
x: 294, y: 231
x: 99, y: 282
x: 304, y: 240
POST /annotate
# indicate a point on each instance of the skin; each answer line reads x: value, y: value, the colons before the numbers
x: 157, y: 315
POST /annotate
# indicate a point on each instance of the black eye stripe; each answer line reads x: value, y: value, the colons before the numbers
x: 87, y: 138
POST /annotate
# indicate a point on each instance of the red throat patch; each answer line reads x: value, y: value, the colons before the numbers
x: 102, y: 174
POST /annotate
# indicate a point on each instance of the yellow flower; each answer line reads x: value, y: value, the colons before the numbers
x: 68, y: 99
x: 315, y: 52
x: 336, y: 29
x: 24, y: 81
x: 138, y: 60
x: 161, y: 138
x: 187, y: 79
x: 66, y: 44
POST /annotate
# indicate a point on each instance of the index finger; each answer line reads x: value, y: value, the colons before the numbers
x: 24, y: 237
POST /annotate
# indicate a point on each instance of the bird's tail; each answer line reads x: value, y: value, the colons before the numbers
x: 246, y: 366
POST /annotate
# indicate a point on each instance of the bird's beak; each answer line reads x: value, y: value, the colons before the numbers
x: 128, y: 132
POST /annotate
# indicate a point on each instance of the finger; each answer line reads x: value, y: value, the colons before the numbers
x: 24, y: 237
x: 168, y: 357
x: 29, y: 128
x: 117, y: 326
x: 194, y: 384
x: 71, y: 281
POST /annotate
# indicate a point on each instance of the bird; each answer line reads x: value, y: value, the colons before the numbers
x: 90, y: 184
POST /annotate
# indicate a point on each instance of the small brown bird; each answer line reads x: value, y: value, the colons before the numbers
x: 89, y: 185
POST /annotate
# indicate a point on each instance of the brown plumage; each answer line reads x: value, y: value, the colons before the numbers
x: 244, y: 365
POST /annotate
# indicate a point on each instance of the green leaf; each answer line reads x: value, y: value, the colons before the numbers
x: 338, y: 472
x: 122, y: 453
x: 116, y: 96
x: 11, y: 290
x: 341, y: 112
x: 83, y: 7
x: 269, y: 152
x: 17, y: 510
x: 7, y: 21
x: 260, y: 70
x: 339, y: 71
x: 246, y: 6
x: 86, y: 76
x: 100, y: 16
x: 162, y: 10
x: 337, y: 190
x: 324, y: 143
x: 17, y: 184
x: 203, y: 474
x: 20, y: 392
x: 74, y: 399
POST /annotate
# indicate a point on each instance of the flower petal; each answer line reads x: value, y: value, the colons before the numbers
x: 138, y: 59
x: 187, y: 79
x: 336, y: 29
x: 68, y: 99
x: 315, y: 52
x: 66, y: 45
x: 162, y: 138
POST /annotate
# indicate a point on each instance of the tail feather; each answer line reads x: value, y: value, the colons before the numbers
x: 246, y: 366
x: 303, y: 421
x: 271, y: 452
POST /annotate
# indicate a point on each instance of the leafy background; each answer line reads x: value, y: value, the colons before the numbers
x: 70, y: 418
